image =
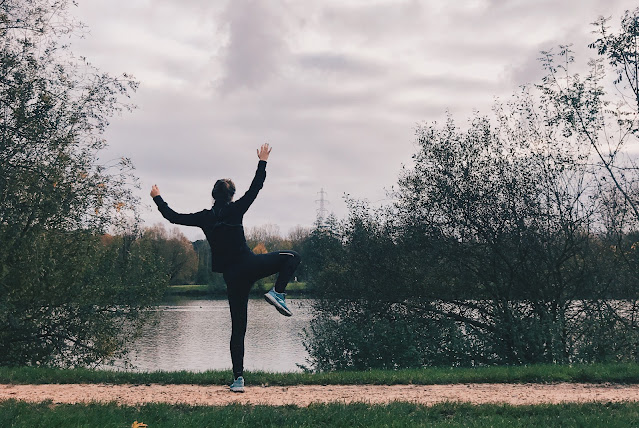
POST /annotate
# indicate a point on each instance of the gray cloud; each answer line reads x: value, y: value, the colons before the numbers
x: 339, y: 63
x: 374, y: 20
x: 256, y: 44
x: 336, y: 87
x: 464, y: 84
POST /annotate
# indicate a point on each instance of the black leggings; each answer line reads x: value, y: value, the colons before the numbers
x: 239, y: 278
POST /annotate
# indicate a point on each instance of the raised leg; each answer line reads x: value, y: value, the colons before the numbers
x: 283, y: 263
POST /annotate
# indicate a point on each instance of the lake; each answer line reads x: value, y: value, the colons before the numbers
x: 194, y: 335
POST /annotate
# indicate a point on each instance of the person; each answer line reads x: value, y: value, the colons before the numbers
x: 231, y: 256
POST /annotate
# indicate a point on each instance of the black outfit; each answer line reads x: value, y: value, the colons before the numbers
x: 222, y: 225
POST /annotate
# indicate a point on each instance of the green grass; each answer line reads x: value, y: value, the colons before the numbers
x: 292, y: 287
x: 195, y: 290
x: 188, y: 288
x: 596, y: 373
x: 20, y: 414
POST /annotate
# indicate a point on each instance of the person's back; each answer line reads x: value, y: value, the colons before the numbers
x: 223, y: 223
x: 225, y: 234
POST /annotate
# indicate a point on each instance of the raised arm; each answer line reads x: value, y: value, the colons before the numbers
x: 195, y: 219
x: 258, y: 181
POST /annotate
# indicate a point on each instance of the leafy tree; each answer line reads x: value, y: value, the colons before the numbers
x: 66, y: 297
x: 585, y: 108
x: 268, y: 235
x: 518, y: 231
x: 360, y: 321
x: 601, y: 109
x: 176, y: 252
x: 298, y: 239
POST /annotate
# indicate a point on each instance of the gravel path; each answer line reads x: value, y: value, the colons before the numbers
x: 303, y: 395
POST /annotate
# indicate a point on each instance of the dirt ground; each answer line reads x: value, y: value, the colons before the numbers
x: 303, y: 395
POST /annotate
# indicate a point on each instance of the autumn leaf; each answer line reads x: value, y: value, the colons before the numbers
x: 260, y: 248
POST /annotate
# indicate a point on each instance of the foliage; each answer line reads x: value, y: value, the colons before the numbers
x: 68, y: 296
x: 511, y: 241
x: 359, y: 323
x: 266, y: 235
x: 582, y: 107
x: 174, y: 251
x: 260, y: 248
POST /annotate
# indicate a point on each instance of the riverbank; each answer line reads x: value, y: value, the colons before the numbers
x: 294, y: 289
x: 579, y: 373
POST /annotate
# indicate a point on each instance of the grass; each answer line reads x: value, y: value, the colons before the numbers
x: 20, y: 414
x: 187, y: 290
x: 195, y: 290
x: 292, y: 287
x: 595, y: 373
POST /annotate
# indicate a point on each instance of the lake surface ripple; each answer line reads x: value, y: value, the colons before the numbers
x: 194, y: 335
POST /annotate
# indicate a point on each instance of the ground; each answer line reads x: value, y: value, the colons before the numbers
x: 303, y: 395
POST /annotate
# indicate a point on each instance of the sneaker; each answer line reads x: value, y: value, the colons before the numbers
x: 238, y: 385
x: 278, y: 300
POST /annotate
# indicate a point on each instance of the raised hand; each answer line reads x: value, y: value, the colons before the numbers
x: 264, y: 151
x: 155, y: 190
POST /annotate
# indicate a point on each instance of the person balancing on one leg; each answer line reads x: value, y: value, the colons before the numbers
x: 222, y: 225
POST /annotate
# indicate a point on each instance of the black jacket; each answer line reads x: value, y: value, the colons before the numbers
x: 222, y: 224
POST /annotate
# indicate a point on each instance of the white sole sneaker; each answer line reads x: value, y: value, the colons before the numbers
x: 237, y: 385
x: 281, y: 309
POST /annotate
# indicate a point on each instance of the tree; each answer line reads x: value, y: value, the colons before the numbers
x: 298, y: 239
x: 361, y: 322
x: 519, y: 230
x: 583, y: 106
x: 178, y: 257
x: 602, y: 110
x: 268, y: 235
x: 65, y: 297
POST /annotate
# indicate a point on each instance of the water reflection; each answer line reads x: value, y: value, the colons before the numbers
x: 194, y: 335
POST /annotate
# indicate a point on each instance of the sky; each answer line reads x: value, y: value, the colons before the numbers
x: 336, y: 87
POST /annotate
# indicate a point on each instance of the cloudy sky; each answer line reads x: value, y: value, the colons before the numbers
x: 335, y: 86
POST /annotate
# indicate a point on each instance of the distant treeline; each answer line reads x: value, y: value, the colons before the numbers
x: 186, y: 262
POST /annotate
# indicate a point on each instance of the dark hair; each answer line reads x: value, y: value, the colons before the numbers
x: 223, y: 190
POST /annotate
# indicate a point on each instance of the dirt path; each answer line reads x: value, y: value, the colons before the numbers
x: 303, y: 395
